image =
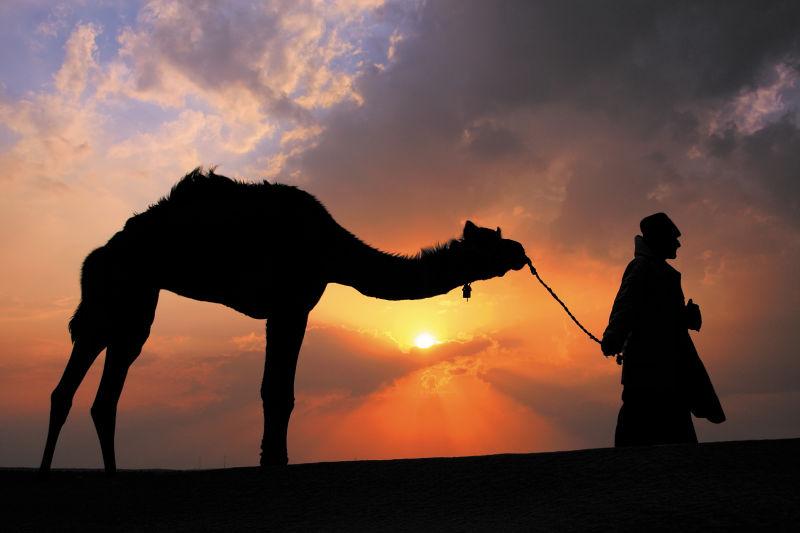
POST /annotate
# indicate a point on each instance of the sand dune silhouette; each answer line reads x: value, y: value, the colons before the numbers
x: 732, y: 485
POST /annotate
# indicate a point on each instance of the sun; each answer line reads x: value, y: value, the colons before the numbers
x: 424, y: 340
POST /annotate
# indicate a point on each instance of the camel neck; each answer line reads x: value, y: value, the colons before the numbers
x: 375, y: 273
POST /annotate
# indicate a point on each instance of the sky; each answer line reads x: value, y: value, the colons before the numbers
x: 563, y: 123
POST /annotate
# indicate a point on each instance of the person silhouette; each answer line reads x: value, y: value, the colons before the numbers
x: 664, y: 381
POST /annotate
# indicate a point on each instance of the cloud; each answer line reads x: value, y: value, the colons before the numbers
x: 483, y: 105
x: 80, y: 61
x: 185, y: 138
x: 772, y: 155
x: 582, y: 408
x: 254, y: 63
x: 54, y: 131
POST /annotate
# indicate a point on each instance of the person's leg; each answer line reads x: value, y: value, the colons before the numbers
x: 676, y: 426
x: 649, y: 418
x: 622, y: 436
x: 634, y: 422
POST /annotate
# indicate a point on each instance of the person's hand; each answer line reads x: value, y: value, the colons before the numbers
x: 610, y: 346
x: 693, y: 318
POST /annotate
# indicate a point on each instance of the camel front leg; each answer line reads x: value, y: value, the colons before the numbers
x: 285, y: 333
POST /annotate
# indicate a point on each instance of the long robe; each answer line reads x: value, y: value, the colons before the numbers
x: 663, y: 377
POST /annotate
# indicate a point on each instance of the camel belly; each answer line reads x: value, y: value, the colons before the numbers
x: 256, y: 300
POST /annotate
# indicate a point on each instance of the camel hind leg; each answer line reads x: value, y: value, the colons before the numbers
x: 119, y: 358
x: 84, y: 352
x: 130, y: 333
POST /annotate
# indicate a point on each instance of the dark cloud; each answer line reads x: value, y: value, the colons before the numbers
x: 770, y: 160
x: 722, y: 144
x: 578, y: 409
x: 492, y: 142
x: 464, y: 116
x: 772, y: 154
x: 337, y: 360
x: 468, y: 59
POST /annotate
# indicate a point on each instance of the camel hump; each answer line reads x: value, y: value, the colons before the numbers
x: 207, y: 190
x: 206, y: 209
x: 198, y: 193
x: 198, y: 184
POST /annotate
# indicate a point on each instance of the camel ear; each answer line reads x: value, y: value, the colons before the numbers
x: 470, y: 230
x: 499, y: 233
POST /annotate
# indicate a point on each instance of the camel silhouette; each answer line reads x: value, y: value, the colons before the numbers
x: 266, y: 250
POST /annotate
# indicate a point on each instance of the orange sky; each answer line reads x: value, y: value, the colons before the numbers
x: 405, y: 120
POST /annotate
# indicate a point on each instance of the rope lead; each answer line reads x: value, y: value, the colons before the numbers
x: 555, y: 296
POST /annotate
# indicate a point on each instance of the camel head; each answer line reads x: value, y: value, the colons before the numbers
x: 488, y: 254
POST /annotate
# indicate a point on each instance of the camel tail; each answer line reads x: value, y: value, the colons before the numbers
x: 77, y: 324
x: 89, y: 318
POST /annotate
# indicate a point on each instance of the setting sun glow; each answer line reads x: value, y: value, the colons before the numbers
x: 424, y: 340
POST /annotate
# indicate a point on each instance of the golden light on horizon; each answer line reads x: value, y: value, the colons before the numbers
x: 424, y: 340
